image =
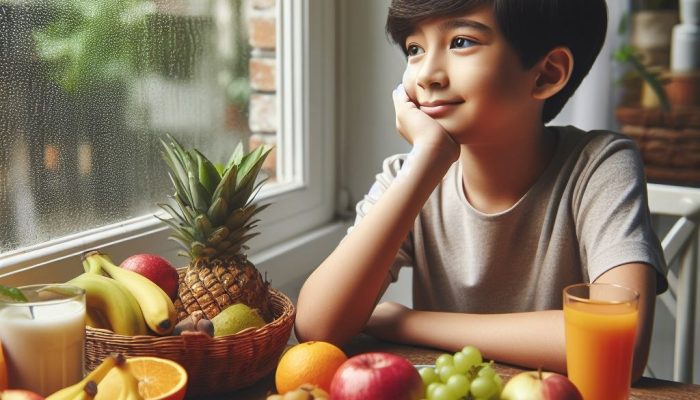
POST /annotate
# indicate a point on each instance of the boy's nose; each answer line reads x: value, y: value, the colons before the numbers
x: 432, y: 73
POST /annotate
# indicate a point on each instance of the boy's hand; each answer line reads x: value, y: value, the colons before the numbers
x: 419, y: 129
x: 385, y: 320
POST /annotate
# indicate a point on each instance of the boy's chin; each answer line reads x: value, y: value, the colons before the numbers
x: 459, y: 134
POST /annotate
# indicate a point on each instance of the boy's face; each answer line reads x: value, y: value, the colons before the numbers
x: 462, y: 72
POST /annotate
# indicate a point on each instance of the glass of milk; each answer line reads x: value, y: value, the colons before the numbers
x: 43, y: 339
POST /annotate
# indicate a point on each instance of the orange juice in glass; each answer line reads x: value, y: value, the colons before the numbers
x: 600, y: 325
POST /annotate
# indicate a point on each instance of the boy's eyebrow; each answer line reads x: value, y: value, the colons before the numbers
x: 464, y: 23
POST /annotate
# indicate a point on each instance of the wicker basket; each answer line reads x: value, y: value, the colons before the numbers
x: 668, y: 141
x: 214, y: 365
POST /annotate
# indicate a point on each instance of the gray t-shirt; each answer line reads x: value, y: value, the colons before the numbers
x: 586, y: 213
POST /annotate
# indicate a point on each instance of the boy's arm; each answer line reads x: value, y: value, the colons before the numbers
x: 642, y: 279
x: 337, y: 299
x: 533, y: 339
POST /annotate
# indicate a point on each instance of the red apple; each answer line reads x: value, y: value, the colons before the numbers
x: 376, y: 376
x: 18, y: 394
x: 537, y: 385
x: 155, y: 268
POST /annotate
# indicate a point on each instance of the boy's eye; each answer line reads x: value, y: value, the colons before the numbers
x: 461, y: 43
x: 413, y: 50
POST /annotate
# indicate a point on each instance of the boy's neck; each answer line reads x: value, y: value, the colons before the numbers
x: 495, y: 177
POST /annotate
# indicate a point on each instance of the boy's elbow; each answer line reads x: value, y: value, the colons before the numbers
x: 307, y: 324
x: 304, y: 331
x: 309, y: 330
x: 309, y: 335
x: 313, y: 326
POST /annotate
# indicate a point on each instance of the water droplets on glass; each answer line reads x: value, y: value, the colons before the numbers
x: 87, y: 88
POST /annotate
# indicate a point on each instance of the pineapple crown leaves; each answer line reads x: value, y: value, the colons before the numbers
x: 214, y: 206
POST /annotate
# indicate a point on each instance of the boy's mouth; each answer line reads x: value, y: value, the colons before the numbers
x: 436, y: 109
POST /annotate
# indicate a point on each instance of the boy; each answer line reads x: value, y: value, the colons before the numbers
x: 495, y: 212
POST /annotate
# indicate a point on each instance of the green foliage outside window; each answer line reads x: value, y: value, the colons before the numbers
x: 110, y: 41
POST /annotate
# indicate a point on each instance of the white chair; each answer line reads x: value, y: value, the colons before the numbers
x: 680, y: 245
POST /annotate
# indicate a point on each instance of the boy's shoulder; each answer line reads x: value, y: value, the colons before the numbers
x: 576, y: 141
x: 596, y: 154
x: 597, y: 136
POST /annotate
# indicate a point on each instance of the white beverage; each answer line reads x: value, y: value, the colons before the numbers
x: 44, y: 351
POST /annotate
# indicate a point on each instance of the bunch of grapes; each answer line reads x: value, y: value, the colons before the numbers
x: 462, y: 375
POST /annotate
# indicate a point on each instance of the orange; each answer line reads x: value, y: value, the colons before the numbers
x: 159, y: 379
x: 308, y: 362
x: 3, y: 370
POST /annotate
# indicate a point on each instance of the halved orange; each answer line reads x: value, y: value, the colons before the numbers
x: 3, y: 370
x: 159, y: 379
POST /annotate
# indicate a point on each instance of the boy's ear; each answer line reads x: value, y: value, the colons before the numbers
x: 554, y: 71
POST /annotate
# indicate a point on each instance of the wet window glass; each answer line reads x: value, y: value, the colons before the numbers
x: 89, y: 87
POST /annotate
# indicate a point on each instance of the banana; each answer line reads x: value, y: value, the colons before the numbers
x: 95, y: 318
x: 87, y: 387
x: 157, y: 308
x: 108, y: 297
x: 130, y: 384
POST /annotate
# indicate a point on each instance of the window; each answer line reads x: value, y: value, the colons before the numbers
x: 89, y: 87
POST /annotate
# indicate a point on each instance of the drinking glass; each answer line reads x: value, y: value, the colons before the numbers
x: 600, y: 325
x: 43, y: 338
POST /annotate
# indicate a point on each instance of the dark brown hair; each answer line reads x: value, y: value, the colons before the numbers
x: 531, y: 27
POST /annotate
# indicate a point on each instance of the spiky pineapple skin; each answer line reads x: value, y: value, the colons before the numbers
x: 211, y: 285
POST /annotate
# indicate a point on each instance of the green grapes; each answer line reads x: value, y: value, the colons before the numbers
x: 461, y: 376
x: 429, y: 375
x: 462, y: 363
x: 458, y: 384
x: 483, y: 387
x: 445, y: 372
x: 487, y: 372
x: 444, y: 359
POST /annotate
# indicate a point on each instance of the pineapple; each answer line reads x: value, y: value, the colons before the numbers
x: 212, y: 221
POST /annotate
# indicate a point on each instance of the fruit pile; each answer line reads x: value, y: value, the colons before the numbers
x: 132, y: 299
x: 321, y: 371
x: 122, y: 300
x: 462, y: 375
x: 220, y: 292
x: 130, y: 379
x: 212, y: 219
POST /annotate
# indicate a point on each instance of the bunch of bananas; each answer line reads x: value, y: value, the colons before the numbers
x: 123, y: 301
x: 87, y: 388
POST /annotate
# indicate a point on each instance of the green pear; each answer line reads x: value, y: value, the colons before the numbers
x: 236, y: 318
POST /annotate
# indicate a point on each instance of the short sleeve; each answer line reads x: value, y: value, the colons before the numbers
x: 390, y: 169
x: 613, y: 222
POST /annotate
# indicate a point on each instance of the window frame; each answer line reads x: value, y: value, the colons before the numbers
x: 306, y: 144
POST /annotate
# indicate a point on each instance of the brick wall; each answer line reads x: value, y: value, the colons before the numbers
x: 262, y: 35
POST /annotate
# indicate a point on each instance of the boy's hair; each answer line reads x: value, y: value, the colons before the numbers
x: 531, y: 27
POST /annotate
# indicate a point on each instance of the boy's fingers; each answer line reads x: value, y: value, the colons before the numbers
x: 396, y: 96
x: 400, y: 94
x: 400, y: 98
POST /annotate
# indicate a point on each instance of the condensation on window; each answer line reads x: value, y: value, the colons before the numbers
x: 87, y: 89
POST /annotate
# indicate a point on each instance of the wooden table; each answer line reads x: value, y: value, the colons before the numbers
x: 646, y: 388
